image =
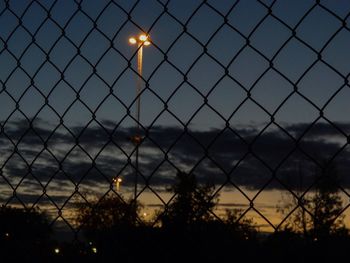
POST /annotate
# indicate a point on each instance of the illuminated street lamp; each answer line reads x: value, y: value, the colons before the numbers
x: 117, y: 182
x: 140, y: 41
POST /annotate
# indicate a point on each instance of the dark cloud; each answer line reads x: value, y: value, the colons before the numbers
x: 242, y: 155
x: 320, y: 129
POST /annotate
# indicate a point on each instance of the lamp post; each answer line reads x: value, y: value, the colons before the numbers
x: 117, y: 182
x: 140, y: 41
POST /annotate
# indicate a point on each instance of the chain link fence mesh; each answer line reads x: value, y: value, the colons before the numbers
x: 250, y: 95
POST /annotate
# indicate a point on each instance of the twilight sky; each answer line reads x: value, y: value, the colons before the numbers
x: 45, y: 54
x: 247, y: 78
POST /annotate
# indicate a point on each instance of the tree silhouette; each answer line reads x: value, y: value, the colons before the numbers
x: 319, y: 215
x: 111, y: 211
x: 111, y: 224
x: 189, y: 225
x: 326, y: 205
x: 192, y: 203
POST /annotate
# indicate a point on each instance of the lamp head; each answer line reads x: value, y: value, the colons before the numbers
x: 143, y: 39
x: 132, y: 41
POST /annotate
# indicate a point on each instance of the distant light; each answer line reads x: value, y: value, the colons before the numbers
x: 136, y: 139
x: 90, y: 243
x: 117, y: 180
x: 144, y: 214
x: 147, y: 43
x: 7, y: 234
x: 132, y: 40
x: 57, y: 250
x: 143, y: 38
x: 94, y: 250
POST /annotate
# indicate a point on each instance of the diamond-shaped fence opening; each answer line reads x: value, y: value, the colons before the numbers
x: 248, y: 96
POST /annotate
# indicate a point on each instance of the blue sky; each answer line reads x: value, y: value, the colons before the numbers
x: 205, y: 28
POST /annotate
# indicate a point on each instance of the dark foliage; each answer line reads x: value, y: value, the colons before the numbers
x: 192, y: 205
x: 319, y: 215
x: 23, y: 233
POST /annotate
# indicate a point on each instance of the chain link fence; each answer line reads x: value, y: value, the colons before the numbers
x: 251, y: 96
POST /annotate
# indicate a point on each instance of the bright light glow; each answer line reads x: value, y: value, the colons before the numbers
x: 94, y: 250
x: 119, y: 180
x: 7, y: 234
x: 132, y: 40
x: 57, y: 250
x: 143, y: 38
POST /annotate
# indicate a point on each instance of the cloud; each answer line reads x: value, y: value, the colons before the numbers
x: 243, y: 155
x: 320, y: 129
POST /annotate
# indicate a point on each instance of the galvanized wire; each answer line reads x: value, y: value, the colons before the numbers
x: 6, y: 53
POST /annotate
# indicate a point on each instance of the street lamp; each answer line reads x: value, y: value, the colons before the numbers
x: 140, y: 41
x: 117, y: 182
